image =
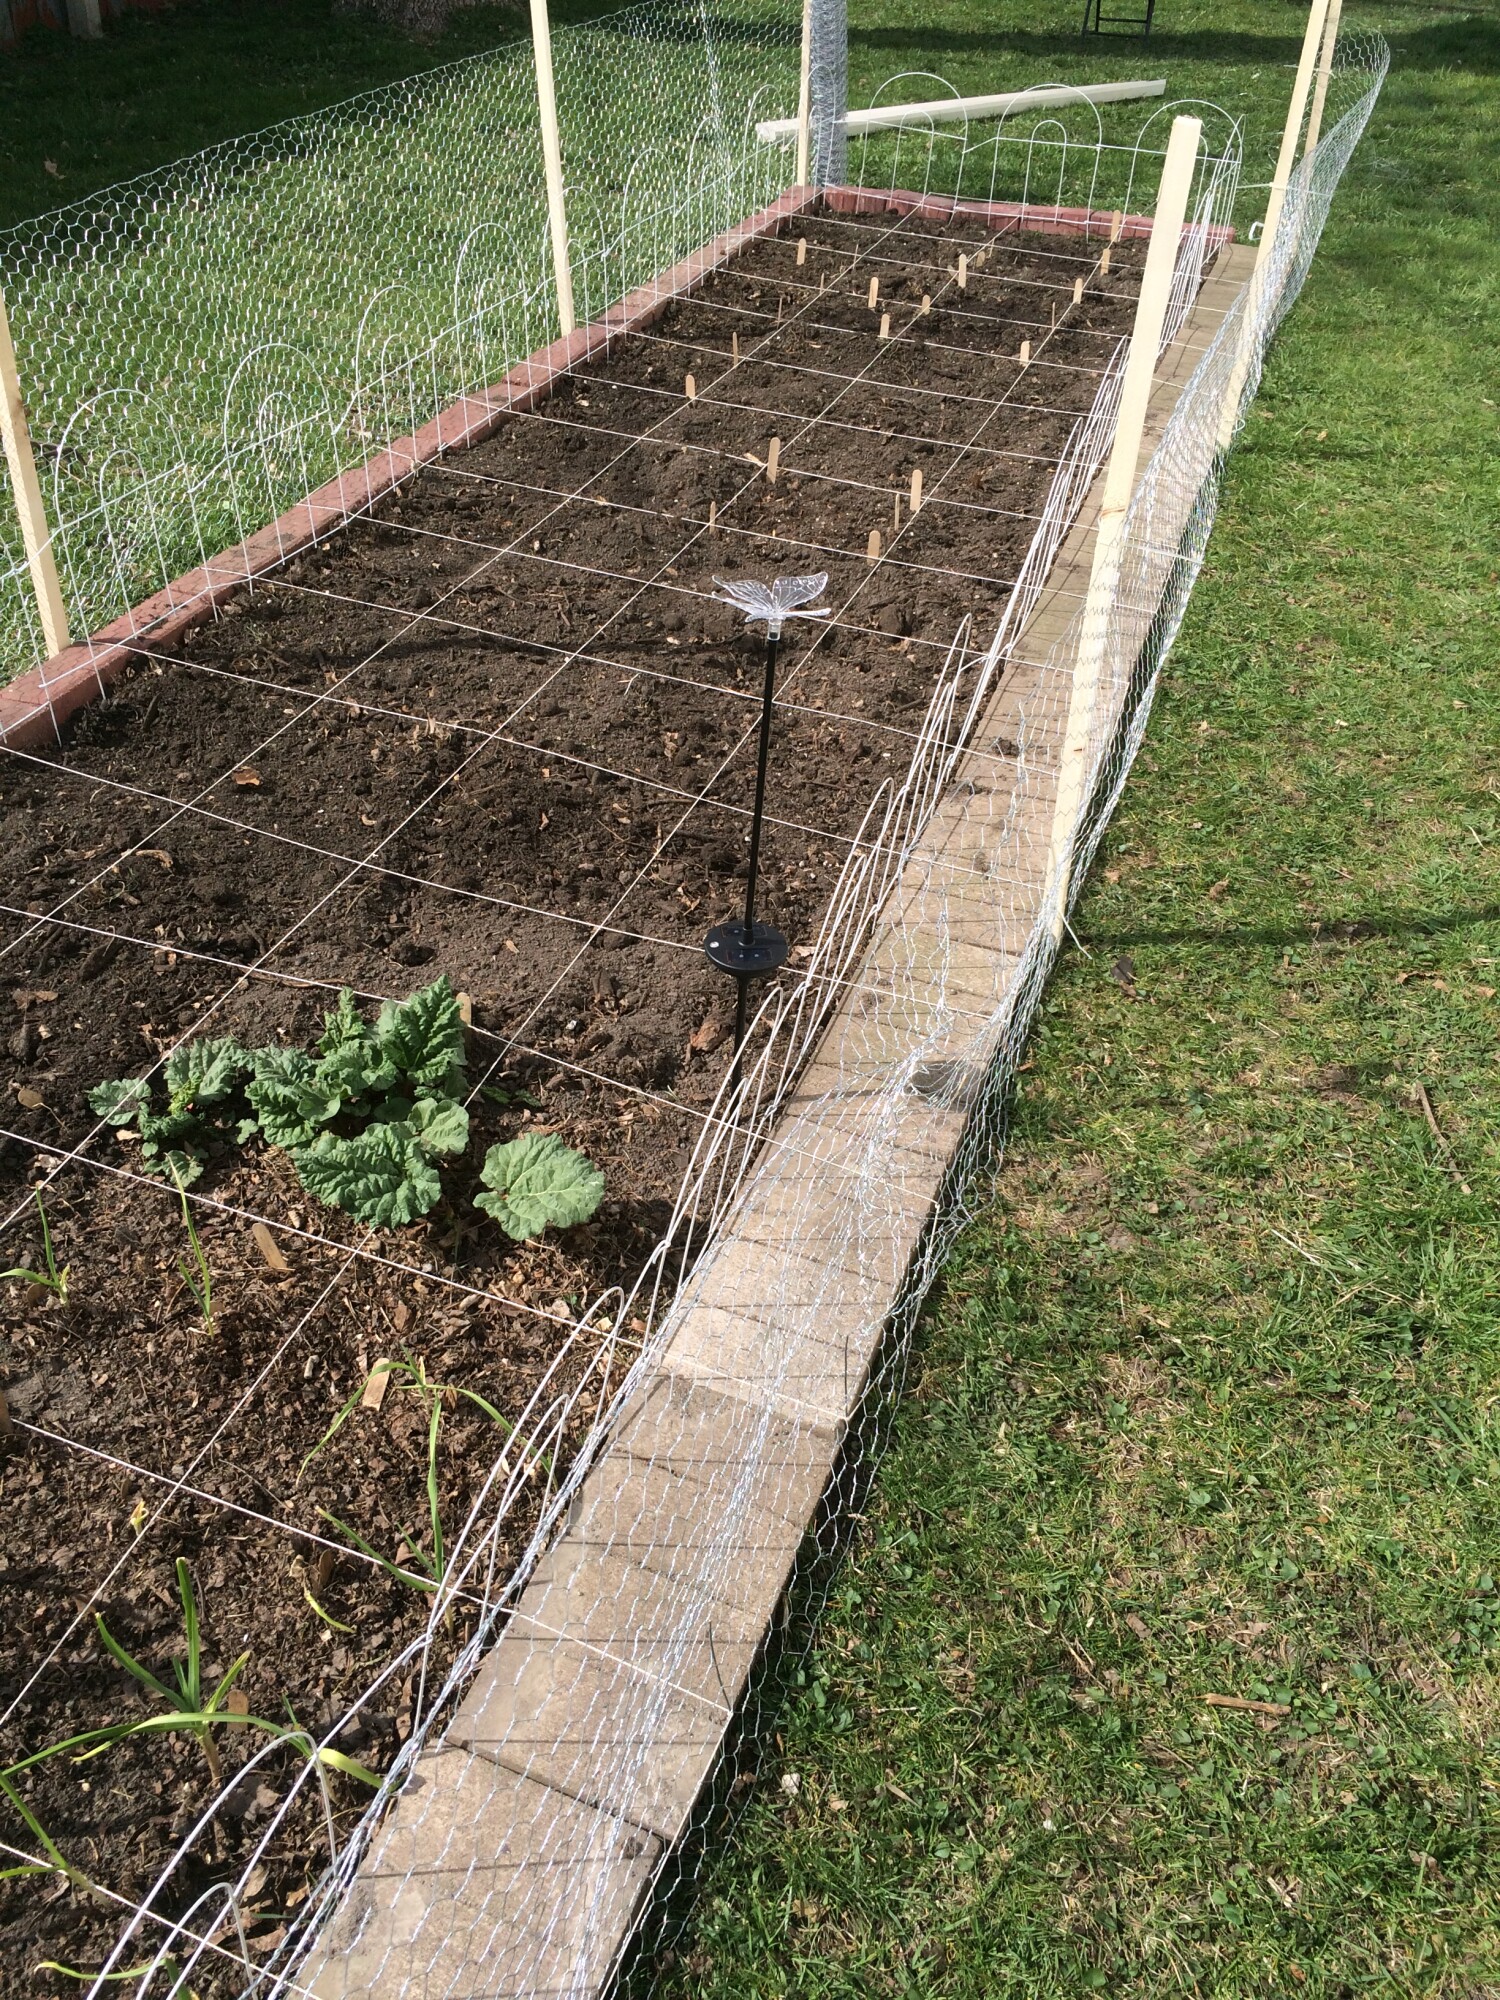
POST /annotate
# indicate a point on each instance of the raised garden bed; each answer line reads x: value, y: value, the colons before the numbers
x: 501, y: 731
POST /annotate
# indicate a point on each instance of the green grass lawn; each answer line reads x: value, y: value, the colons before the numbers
x: 1208, y: 1402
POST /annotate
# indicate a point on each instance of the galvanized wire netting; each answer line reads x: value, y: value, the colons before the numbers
x: 551, y: 1789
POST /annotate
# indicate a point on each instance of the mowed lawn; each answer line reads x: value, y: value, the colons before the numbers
x: 1206, y: 1405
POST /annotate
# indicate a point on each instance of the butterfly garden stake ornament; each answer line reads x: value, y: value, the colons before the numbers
x: 742, y: 947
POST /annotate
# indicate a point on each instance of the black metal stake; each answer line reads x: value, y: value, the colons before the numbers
x: 749, y: 950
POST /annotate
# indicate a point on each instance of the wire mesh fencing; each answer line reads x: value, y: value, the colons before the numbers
x: 205, y: 345
x: 680, y: 1470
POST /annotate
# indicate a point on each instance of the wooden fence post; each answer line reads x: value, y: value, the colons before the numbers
x: 1255, y: 290
x: 557, y: 213
x: 1325, y: 66
x: 804, y: 97
x: 35, y: 534
x: 1119, y: 483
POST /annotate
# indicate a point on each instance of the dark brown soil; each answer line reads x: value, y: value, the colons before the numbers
x: 500, y: 731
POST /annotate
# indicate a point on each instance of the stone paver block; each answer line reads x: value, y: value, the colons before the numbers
x: 484, y: 1885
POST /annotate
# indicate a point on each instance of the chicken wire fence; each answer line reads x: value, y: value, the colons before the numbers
x: 558, y: 1778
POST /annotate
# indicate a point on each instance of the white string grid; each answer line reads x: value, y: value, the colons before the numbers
x: 782, y: 1341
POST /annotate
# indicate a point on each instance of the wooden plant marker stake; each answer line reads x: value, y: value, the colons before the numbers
x: 269, y: 1248
x: 801, y: 249
x: 926, y: 307
x: 1119, y: 484
x: 1025, y: 353
x: 1117, y: 223
x: 872, y: 547
x: 885, y: 326
x: 1078, y: 291
x: 773, y: 461
x: 1104, y: 262
x: 734, y: 349
x: 874, y: 293
x: 963, y: 272
x: 376, y: 1384
x: 822, y: 280
x: 36, y: 536
x: 916, y: 490
x: 713, y: 517
x: 896, y: 515
x: 690, y: 388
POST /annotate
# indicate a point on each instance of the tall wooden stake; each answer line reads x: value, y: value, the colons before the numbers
x: 1325, y: 66
x: 804, y: 101
x: 36, y: 536
x: 557, y: 213
x: 1119, y: 484
x: 1255, y: 293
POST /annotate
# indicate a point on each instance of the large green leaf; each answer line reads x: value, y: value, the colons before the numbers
x: 205, y: 1071
x: 424, y: 1036
x: 343, y: 1026
x: 536, y: 1182
x: 440, y: 1124
x: 381, y: 1175
x: 120, y: 1102
x: 290, y: 1098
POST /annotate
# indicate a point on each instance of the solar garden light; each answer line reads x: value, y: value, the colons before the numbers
x: 745, y: 949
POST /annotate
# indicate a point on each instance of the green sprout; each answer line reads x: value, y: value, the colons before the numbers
x: 199, y: 1281
x: 52, y: 1279
x: 426, y: 1572
x: 186, y: 1706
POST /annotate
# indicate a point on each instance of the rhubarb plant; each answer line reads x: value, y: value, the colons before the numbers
x: 367, y: 1118
x: 204, y: 1082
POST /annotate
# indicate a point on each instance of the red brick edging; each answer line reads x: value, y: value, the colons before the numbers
x: 34, y: 707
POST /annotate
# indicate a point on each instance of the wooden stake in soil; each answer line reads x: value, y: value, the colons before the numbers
x: 1025, y: 356
x: 269, y: 1248
x: 734, y: 349
x: 1078, y: 291
x: 926, y: 307
x: 1104, y: 262
x: 690, y: 388
x: 963, y: 272
x: 1116, y: 224
x: 557, y: 214
x: 804, y: 106
x: 916, y: 490
x: 1119, y: 483
x: 1260, y: 277
x: 713, y: 517
x: 1325, y: 65
x: 36, y: 536
x: 378, y: 1382
x: 896, y: 515
x: 874, y: 293
x: 872, y: 547
x: 773, y: 461
x: 885, y: 326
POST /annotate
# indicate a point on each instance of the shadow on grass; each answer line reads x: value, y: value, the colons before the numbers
x: 1473, y: 42
x: 1337, y: 930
